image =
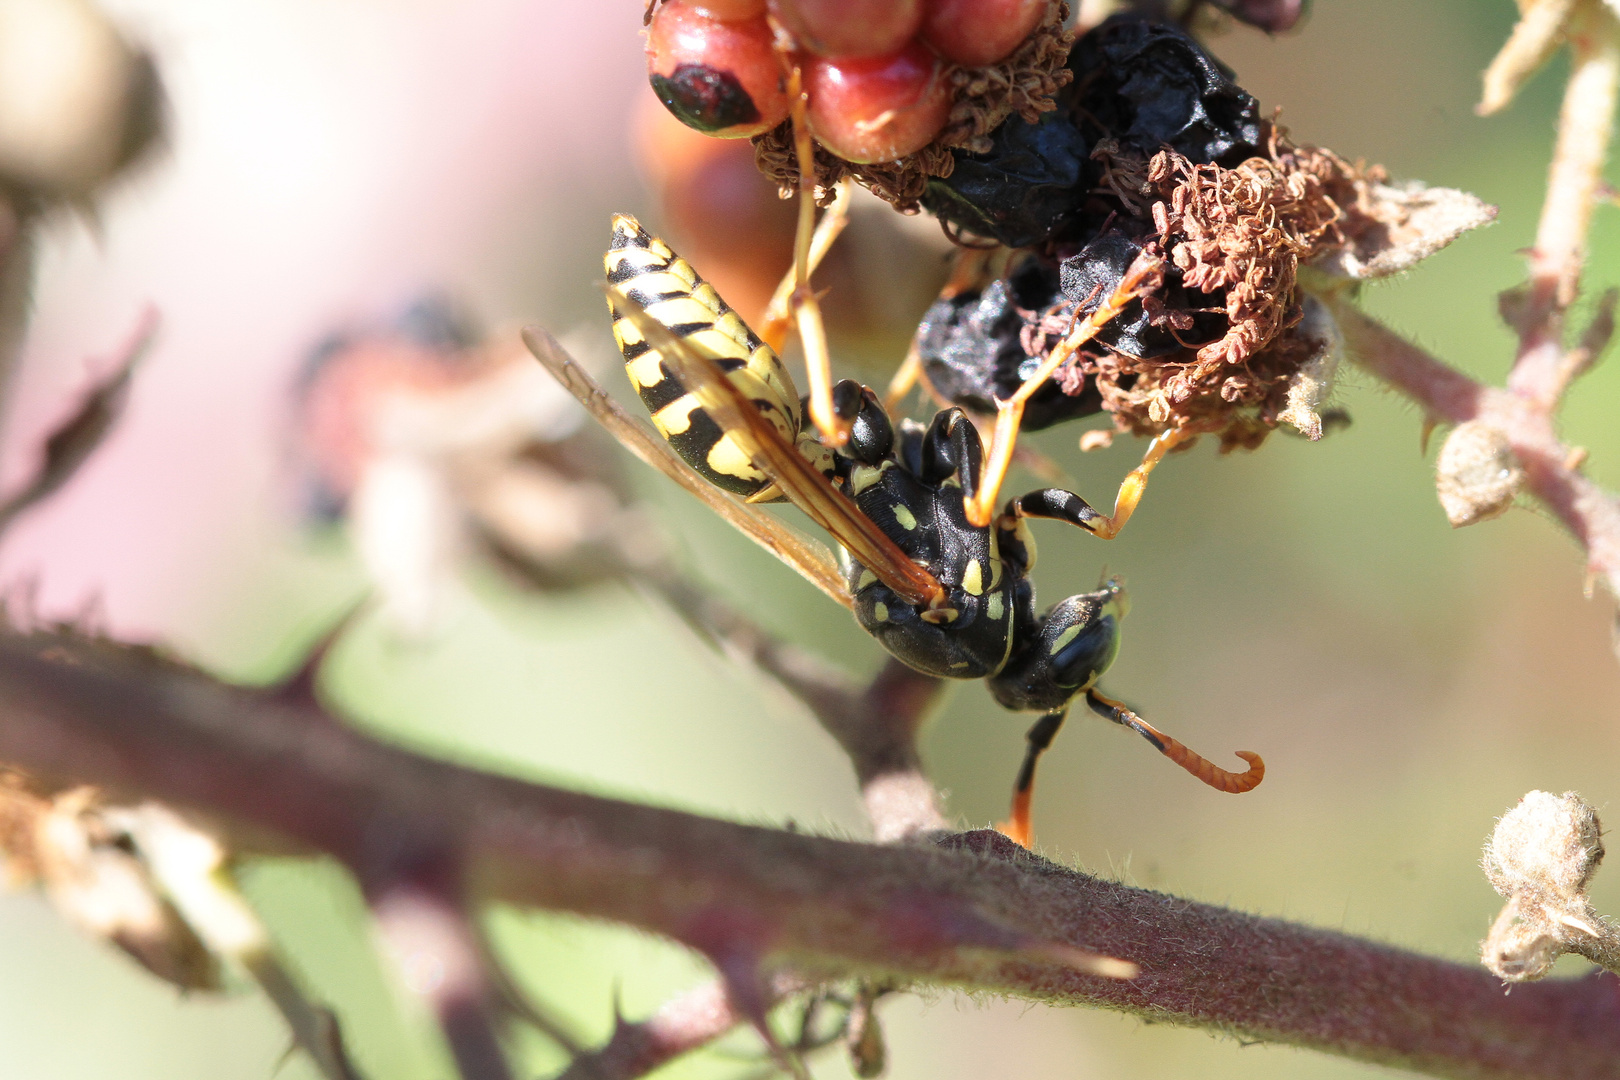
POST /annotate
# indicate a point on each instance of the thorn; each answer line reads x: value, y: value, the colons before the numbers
x: 749, y: 992
x: 300, y: 687
x: 1084, y: 961
x: 1430, y: 422
x: 1574, y: 921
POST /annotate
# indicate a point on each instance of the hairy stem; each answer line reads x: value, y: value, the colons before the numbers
x: 979, y: 914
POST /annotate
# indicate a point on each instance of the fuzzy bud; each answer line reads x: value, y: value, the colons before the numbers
x: 1551, y: 843
x: 1541, y: 857
x: 1478, y: 475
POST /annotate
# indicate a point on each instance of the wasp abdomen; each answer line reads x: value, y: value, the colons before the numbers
x: 673, y: 294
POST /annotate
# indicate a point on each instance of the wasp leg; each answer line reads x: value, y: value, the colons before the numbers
x: 1141, y: 277
x: 778, y: 315
x: 1018, y: 827
x: 871, y: 435
x: 969, y: 270
x: 1060, y: 505
x: 951, y: 447
x: 1216, y: 777
x: 806, y: 308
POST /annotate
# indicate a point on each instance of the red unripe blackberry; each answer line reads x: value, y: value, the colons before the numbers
x: 844, y: 28
x: 718, y: 77
x: 878, y: 108
x: 979, y: 32
x: 733, y: 10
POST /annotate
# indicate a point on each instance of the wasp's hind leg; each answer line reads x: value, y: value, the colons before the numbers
x: 1018, y: 827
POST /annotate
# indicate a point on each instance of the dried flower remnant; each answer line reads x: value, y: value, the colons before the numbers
x: 1542, y: 857
x: 79, y: 103
x: 1178, y: 167
x: 66, y: 845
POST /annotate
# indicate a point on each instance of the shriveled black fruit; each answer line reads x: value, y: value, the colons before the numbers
x: 1032, y: 180
x: 1150, y: 85
x: 972, y: 351
x: 1091, y: 275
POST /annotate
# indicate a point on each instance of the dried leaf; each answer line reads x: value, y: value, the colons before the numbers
x: 1409, y: 223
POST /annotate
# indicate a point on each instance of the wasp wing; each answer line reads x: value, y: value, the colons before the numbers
x: 801, y: 482
x: 809, y: 557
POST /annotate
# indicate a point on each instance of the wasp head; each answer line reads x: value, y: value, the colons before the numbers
x: 1068, y: 651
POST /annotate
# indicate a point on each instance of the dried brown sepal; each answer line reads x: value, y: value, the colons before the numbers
x: 899, y: 183
x: 1025, y: 83
x: 1402, y: 224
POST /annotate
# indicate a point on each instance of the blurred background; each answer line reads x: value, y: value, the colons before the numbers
x: 332, y: 160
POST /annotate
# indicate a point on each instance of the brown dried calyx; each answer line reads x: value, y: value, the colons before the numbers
x: 1232, y: 241
x: 1025, y: 83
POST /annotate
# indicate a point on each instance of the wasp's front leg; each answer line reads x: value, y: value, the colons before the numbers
x: 951, y: 448
x: 1059, y: 505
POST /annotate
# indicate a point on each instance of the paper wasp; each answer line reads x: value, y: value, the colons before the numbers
x: 943, y: 595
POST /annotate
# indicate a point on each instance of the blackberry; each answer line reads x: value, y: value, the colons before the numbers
x: 972, y: 349
x: 1150, y: 85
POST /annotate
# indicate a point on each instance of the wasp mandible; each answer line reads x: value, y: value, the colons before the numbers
x: 946, y: 596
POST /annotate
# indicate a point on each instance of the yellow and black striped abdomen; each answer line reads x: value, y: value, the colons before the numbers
x: 671, y: 291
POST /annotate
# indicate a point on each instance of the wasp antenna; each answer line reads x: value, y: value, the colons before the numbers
x: 1210, y: 773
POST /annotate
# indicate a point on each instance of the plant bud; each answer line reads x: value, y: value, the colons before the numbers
x: 1478, y: 474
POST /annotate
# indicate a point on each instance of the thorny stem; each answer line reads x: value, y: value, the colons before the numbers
x: 685, y: 1023
x: 439, y: 958
x: 1584, y: 128
x: 1551, y: 468
x: 975, y: 913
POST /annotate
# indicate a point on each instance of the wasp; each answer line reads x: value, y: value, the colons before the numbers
x: 947, y: 597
